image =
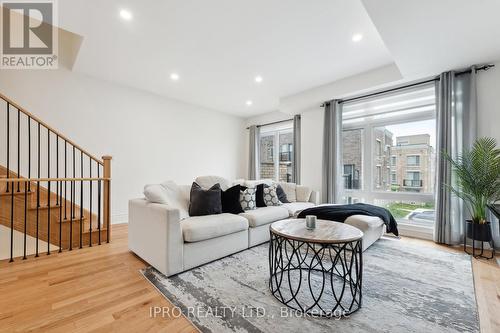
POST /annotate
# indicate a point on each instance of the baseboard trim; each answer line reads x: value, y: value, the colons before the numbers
x: 119, y: 218
x: 416, y: 231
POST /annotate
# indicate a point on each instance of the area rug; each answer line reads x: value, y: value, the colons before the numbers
x: 407, y: 287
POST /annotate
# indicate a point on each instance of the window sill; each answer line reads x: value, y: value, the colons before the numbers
x: 416, y: 231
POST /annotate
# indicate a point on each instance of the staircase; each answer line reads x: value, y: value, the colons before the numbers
x: 51, y: 190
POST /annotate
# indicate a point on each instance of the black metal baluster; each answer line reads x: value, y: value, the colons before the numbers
x: 90, y: 202
x: 48, y: 190
x: 12, y: 223
x: 81, y: 199
x: 73, y: 186
x: 8, y: 144
x: 99, y: 205
x: 65, y: 176
x: 72, y: 214
x: 60, y: 218
x: 38, y: 194
x: 29, y: 152
x: 25, y: 215
x: 57, y: 169
x: 18, y: 148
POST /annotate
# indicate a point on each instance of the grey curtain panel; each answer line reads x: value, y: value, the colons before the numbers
x: 253, y: 149
x: 456, y: 121
x: 332, y: 153
x: 296, y: 149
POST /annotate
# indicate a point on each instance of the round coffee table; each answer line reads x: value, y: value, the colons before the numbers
x: 317, y: 272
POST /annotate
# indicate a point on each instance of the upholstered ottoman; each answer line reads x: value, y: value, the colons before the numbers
x: 371, y: 226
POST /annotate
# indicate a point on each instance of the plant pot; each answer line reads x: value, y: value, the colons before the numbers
x: 479, y: 232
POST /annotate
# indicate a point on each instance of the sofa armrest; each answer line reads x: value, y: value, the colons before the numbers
x: 314, y: 198
x: 155, y: 235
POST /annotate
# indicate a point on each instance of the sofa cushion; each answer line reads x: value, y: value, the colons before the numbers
x: 281, y: 194
x: 205, y: 202
x: 289, y: 189
x: 168, y: 193
x: 303, y: 193
x: 259, y: 195
x: 207, y: 182
x: 247, y: 198
x: 295, y: 207
x: 199, y: 228
x: 254, y: 183
x: 364, y: 222
x: 231, y: 200
x: 264, y: 215
x: 270, y: 197
x: 155, y: 193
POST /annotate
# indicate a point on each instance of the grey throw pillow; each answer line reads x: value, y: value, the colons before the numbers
x: 205, y: 202
x: 281, y: 194
x: 247, y: 199
x: 270, y: 196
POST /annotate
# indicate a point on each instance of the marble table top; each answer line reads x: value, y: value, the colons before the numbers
x: 325, y: 232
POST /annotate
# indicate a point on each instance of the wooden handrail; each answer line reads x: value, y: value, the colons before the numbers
x: 17, y: 106
x: 24, y: 180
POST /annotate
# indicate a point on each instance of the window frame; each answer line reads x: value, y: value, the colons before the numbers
x: 417, y: 160
x: 276, y: 131
x: 368, y: 192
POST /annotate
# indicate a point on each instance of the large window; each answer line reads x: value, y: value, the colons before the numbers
x: 397, y: 133
x: 413, y: 160
x: 352, y: 158
x: 276, y: 152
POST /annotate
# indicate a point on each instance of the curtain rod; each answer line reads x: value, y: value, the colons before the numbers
x: 482, y: 68
x: 274, y: 122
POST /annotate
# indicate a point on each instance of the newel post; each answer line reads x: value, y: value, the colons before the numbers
x: 107, y: 195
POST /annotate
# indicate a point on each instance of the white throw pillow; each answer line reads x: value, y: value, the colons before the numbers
x: 247, y: 199
x: 254, y: 183
x: 155, y: 193
x: 289, y: 189
x: 168, y: 193
x: 240, y: 181
x: 303, y: 193
x: 270, y: 196
x: 207, y: 182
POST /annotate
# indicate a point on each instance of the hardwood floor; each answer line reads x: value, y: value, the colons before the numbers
x: 100, y: 289
x: 96, y: 289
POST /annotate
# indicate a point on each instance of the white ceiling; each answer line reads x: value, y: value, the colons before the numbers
x: 430, y: 36
x: 219, y: 46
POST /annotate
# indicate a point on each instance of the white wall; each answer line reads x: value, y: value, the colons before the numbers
x: 312, y: 142
x: 358, y: 83
x: 151, y: 138
x: 312, y: 118
x: 312, y: 147
x: 488, y: 91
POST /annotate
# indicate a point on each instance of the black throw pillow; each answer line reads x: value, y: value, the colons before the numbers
x: 281, y: 194
x: 205, y: 202
x: 259, y: 195
x: 231, y: 200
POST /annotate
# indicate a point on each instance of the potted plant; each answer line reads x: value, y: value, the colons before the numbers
x: 477, y: 183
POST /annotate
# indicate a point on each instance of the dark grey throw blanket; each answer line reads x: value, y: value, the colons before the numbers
x: 340, y: 213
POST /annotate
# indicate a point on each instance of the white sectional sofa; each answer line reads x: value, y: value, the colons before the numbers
x: 172, y: 242
x: 165, y: 236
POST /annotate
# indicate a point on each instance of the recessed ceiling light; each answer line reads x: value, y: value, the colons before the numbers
x: 125, y: 14
x: 258, y: 79
x: 249, y: 103
x: 357, y: 37
x: 174, y: 76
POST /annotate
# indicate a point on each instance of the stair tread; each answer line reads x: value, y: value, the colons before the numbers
x: 5, y: 194
x: 74, y: 219
x: 45, y: 207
